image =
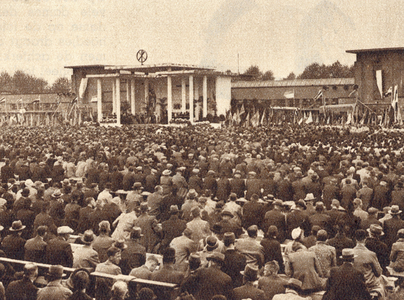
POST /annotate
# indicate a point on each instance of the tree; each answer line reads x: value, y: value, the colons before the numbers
x: 61, y: 85
x: 291, y: 76
x: 317, y: 71
x: 268, y: 75
x: 6, y: 82
x: 254, y: 73
x: 24, y: 83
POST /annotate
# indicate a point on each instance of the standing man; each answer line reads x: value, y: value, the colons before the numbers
x: 59, y: 251
x: 346, y: 282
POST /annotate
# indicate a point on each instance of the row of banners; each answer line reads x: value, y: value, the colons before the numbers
x: 355, y: 114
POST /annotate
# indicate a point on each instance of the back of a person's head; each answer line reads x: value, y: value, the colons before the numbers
x: 360, y: 235
x: 41, y: 230
x: 80, y: 280
x: 146, y: 294
x: 169, y: 255
x: 119, y: 289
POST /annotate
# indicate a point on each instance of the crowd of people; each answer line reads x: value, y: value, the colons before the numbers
x: 280, y: 212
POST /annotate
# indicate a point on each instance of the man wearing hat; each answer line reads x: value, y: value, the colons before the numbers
x: 297, y: 218
x: 173, y: 227
x: 54, y: 289
x: 195, y: 182
x: 13, y: 244
x: 134, y: 255
x: 391, y: 226
x: 320, y: 217
x: 272, y: 247
x: 248, y: 290
x: 208, y: 282
x: 59, y: 251
x: 150, y: 228
x: 277, y: 218
x: 228, y: 224
x: 210, y: 183
x: 86, y: 257
x: 234, y: 261
x: 237, y: 184
x: 373, y: 243
x: 346, y: 282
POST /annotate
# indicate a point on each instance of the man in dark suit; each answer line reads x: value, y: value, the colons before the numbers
x: 134, y: 255
x: 173, y: 227
x: 24, y: 289
x: 277, y: 218
x: 272, y: 248
x: 252, y: 212
x: 13, y: 244
x: 237, y: 185
x: 234, y: 261
x: 346, y: 282
x: 167, y: 274
x: 208, y: 282
x: 84, y: 213
x: 391, y: 226
x: 35, y: 248
x: 250, y: 274
x: 59, y: 251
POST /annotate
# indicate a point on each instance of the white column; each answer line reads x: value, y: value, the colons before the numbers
x: 127, y: 91
x: 191, y: 98
x: 132, y: 96
x: 118, y: 101
x: 169, y: 99
x: 113, y: 96
x: 184, y: 95
x: 205, y: 96
x: 99, y: 100
x: 196, y: 96
x: 146, y: 94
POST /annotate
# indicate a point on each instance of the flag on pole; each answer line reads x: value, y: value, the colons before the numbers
x: 319, y: 95
x: 349, y: 119
x: 242, y: 110
x: 255, y: 119
x: 3, y: 100
x: 263, y: 117
x: 289, y: 94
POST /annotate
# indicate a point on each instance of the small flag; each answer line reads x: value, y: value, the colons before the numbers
x: 389, y: 92
x: 242, y: 110
x: 319, y: 95
x: 3, y: 100
x: 289, y: 94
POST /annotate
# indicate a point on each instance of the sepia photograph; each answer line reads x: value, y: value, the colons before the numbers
x: 201, y: 150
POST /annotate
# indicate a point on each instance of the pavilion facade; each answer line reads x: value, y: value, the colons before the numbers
x: 165, y: 89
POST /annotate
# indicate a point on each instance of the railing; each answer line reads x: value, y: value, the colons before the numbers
x: 98, y: 274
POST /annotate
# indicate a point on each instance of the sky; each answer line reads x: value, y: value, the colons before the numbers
x: 41, y: 37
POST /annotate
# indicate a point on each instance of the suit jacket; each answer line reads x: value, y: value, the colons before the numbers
x: 237, y: 186
x: 85, y: 257
x: 277, y: 218
x: 253, y: 186
x: 59, y: 252
x: 234, y: 263
x: 22, y: 289
x: 252, y: 214
x: 272, y: 285
x: 132, y: 257
x: 366, y: 262
x: 35, y: 250
x: 172, y: 228
x: 166, y: 274
x: 104, y: 285
x: 248, y: 291
x: 55, y: 291
x: 101, y: 244
x: 207, y: 282
x: 272, y: 251
x: 391, y: 226
x: 13, y: 246
x: 84, y: 223
x: 346, y: 283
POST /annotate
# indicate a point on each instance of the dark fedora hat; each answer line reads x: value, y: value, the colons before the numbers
x: 88, y: 237
x: 250, y: 272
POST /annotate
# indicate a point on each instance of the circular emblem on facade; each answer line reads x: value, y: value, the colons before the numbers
x: 141, y: 56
